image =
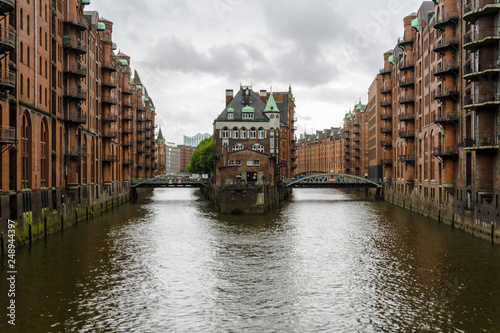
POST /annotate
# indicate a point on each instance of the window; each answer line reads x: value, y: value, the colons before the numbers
x: 256, y: 163
x: 261, y: 133
x: 225, y: 133
x: 235, y: 133
x: 257, y: 147
x: 238, y: 147
x: 253, y: 133
x: 247, y: 115
x: 271, y: 143
x: 230, y: 116
x: 234, y: 163
x: 243, y: 133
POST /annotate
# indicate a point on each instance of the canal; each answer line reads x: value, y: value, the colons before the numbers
x: 327, y: 261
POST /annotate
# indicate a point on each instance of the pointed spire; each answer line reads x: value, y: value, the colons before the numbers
x: 271, y: 105
x: 160, y: 135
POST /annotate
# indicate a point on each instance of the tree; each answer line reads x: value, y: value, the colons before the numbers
x: 202, y: 160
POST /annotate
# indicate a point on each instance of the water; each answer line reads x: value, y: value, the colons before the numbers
x: 326, y: 261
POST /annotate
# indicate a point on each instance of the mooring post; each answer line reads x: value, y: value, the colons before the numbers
x: 1, y: 241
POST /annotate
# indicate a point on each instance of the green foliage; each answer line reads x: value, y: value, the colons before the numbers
x: 202, y: 160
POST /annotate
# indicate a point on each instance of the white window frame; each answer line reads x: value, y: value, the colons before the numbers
x: 243, y: 133
x: 253, y: 133
x: 225, y: 133
x: 256, y: 163
x: 235, y: 133
x: 261, y: 133
x: 230, y: 116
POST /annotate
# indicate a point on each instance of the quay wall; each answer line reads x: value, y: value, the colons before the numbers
x: 39, y: 213
x: 471, y: 221
x: 246, y: 199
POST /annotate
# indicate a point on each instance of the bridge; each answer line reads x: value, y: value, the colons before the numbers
x: 170, y: 181
x: 332, y: 180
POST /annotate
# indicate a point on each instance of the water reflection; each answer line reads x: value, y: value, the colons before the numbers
x: 326, y: 261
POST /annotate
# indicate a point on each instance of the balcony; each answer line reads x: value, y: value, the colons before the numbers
x: 76, y: 21
x: 483, y: 100
x: 74, y: 93
x: 109, y: 100
x: 407, y: 82
x: 407, y: 117
x: 7, y: 40
x: 449, y: 151
x: 109, y: 118
x: 410, y: 99
x: 141, y: 138
x: 407, y: 158
x: 446, y: 118
x: 7, y: 135
x: 387, y: 144
x: 129, y: 89
x: 128, y: 130
x: 482, y: 68
x: 75, y: 117
x: 386, y: 116
x: 384, y: 71
x: 127, y: 143
x: 7, y: 80
x: 108, y: 66
x: 128, y: 161
x: 126, y: 103
x: 386, y: 130
x: 473, y: 11
x: 445, y: 68
x: 386, y: 103
x: 75, y: 151
x: 141, y: 119
x: 386, y: 162
x: 127, y: 116
x: 141, y: 107
x: 406, y: 64
x: 486, y: 36
x: 347, y: 158
x: 75, y: 44
x: 402, y: 41
x: 141, y: 165
x: 385, y: 90
x: 6, y: 6
x: 75, y: 69
x: 108, y: 82
x: 141, y: 150
x: 446, y: 42
x: 482, y: 143
x: 141, y: 129
x: 407, y: 134
x: 449, y: 18
x: 445, y: 93
x: 110, y: 158
x: 109, y: 134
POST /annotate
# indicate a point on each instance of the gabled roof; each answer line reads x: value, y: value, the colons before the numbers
x: 271, y: 105
x: 240, y: 103
x: 160, y: 135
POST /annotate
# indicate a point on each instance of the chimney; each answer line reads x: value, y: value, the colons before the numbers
x: 263, y: 95
x: 229, y: 96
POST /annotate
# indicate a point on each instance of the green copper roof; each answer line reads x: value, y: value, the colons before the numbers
x: 85, y: 2
x: 359, y: 106
x: 123, y: 62
x: 339, y: 132
x: 230, y: 110
x: 391, y: 59
x: 152, y: 109
x: 146, y: 99
x: 317, y: 137
x: 114, y: 47
x: 416, y: 24
x: 101, y: 26
x: 271, y: 105
x: 248, y: 109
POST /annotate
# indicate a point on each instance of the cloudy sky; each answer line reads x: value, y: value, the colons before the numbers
x: 188, y: 52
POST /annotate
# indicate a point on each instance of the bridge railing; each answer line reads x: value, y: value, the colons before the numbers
x: 333, y: 180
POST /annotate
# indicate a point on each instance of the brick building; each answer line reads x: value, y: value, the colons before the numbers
x: 432, y: 123
x: 323, y: 152
x: 247, y: 139
x: 71, y: 112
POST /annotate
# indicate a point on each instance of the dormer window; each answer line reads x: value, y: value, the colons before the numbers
x: 230, y: 113
x: 247, y: 116
x: 247, y: 113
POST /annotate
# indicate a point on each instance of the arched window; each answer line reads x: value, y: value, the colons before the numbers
x: 84, y: 160
x: 21, y: 21
x: 21, y: 53
x: 253, y: 133
x: 257, y: 147
x: 21, y: 84
x: 243, y: 133
x: 225, y: 133
x: 26, y: 152
x: 235, y: 133
x: 28, y: 24
x: 261, y: 133
x: 238, y: 147
x: 92, y: 162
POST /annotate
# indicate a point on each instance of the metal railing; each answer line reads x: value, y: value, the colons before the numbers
x: 7, y: 135
x: 75, y: 151
x: 7, y: 40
